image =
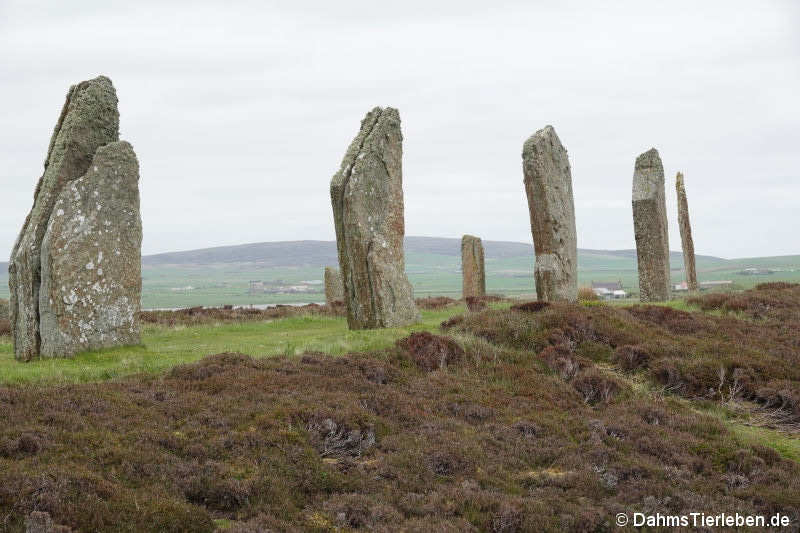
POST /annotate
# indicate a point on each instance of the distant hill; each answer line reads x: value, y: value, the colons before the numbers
x: 321, y: 253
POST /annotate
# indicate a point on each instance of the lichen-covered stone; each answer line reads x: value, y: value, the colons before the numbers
x: 473, y: 274
x: 685, y: 227
x: 334, y: 288
x: 650, y: 227
x: 367, y: 200
x: 88, y: 120
x: 91, y: 258
x: 548, y: 186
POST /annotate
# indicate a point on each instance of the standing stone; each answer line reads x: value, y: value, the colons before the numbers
x: 334, y: 288
x: 686, y: 234
x: 548, y: 186
x: 367, y: 199
x: 650, y: 227
x: 45, y: 260
x: 91, y: 258
x: 472, y: 269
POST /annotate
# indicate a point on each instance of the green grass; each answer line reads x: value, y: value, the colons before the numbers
x: 162, y: 348
x: 740, y: 423
x: 787, y: 446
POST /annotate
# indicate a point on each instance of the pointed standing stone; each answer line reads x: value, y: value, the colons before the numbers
x: 472, y: 269
x: 75, y: 271
x: 686, y: 234
x: 548, y: 186
x: 334, y: 288
x: 650, y: 227
x: 367, y: 201
x: 88, y: 120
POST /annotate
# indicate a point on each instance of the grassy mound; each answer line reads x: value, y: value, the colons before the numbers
x: 538, y: 418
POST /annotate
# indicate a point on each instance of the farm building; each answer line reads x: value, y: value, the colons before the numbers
x: 609, y: 290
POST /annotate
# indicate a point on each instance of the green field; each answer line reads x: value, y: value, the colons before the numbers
x: 430, y: 274
x: 162, y: 348
x: 219, y: 276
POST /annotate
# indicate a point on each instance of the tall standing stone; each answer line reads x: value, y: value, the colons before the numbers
x: 334, y: 288
x: 77, y: 206
x: 367, y: 200
x: 686, y: 234
x: 650, y: 227
x: 472, y: 268
x: 91, y: 258
x: 548, y: 186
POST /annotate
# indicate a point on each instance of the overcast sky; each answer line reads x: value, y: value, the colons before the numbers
x: 240, y: 112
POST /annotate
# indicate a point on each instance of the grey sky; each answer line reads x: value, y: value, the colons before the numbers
x: 240, y: 112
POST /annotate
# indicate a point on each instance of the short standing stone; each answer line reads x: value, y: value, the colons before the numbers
x: 548, y: 186
x: 650, y: 227
x: 88, y: 120
x: 686, y: 234
x: 472, y: 268
x: 91, y: 258
x: 367, y: 200
x: 334, y: 289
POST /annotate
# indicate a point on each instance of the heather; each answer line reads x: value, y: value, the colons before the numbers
x: 532, y: 418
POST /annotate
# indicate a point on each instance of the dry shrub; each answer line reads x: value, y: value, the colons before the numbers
x: 587, y: 294
x: 595, y: 386
x: 475, y: 304
x: 212, y: 365
x: 775, y: 285
x: 446, y: 462
x: 471, y: 412
x: 675, y: 320
x: 40, y: 522
x: 562, y: 360
x: 435, y: 302
x: 361, y: 511
x: 451, y: 322
x: 4, y: 311
x: 631, y: 358
x: 431, y: 352
x: 5, y: 327
x: 332, y: 439
x: 531, y: 307
x: 26, y: 444
x: 775, y: 300
x: 227, y: 313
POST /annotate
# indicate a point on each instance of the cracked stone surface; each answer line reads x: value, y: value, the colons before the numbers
x: 685, y: 227
x: 650, y: 227
x: 367, y: 200
x: 88, y: 121
x: 472, y: 270
x: 548, y: 186
x: 91, y: 258
x: 334, y: 288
